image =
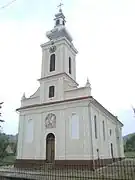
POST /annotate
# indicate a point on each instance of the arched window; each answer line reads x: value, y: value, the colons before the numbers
x: 112, y: 150
x: 63, y: 22
x: 110, y: 132
x: 95, y: 125
x: 104, y: 130
x: 74, y: 126
x: 29, y: 131
x: 57, y: 22
x: 69, y: 65
x: 98, y: 153
x: 52, y: 62
x: 51, y: 91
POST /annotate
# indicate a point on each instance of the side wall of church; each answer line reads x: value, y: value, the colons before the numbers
x: 105, y: 137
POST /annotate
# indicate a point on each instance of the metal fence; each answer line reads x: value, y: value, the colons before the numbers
x: 119, y: 170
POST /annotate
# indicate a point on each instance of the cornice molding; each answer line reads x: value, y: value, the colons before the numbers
x: 58, y: 41
x: 52, y: 103
x: 57, y: 75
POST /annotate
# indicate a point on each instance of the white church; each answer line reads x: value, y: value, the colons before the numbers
x: 62, y: 123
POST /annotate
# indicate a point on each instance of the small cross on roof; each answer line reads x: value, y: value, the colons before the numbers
x: 59, y: 6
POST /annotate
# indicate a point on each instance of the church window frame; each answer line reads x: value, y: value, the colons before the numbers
x: 74, y: 126
x: 110, y: 132
x: 98, y: 156
x: 29, y: 134
x: 103, y: 123
x: 52, y: 62
x: 70, y: 65
x: 112, y: 155
x: 57, y: 22
x: 51, y: 91
x: 95, y: 126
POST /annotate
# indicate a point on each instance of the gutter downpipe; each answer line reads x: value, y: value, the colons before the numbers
x: 90, y: 121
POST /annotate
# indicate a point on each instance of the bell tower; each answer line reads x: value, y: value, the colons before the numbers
x: 58, y: 60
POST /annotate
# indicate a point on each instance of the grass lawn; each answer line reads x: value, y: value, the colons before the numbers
x: 130, y: 154
x: 8, y: 160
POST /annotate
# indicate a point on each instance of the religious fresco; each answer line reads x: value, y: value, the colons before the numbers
x: 50, y: 121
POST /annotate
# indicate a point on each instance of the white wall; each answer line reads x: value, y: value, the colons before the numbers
x: 57, y: 82
x: 78, y: 148
x: 78, y: 92
x: 62, y: 53
x: 20, y: 137
x: 34, y: 99
x: 104, y: 146
x: 69, y: 53
x: 46, y: 61
x: 66, y: 147
x: 30, y: 101
x: 30, y: 147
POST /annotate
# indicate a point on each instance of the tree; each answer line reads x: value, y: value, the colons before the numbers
x: 3, y: 144
x: 3, y: 139
x: 130, y: 144
x: 0, y: 113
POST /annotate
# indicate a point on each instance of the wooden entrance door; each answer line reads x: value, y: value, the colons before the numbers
x: 50, y: 148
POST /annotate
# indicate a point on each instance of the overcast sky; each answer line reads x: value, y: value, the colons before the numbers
x: 104, y: 34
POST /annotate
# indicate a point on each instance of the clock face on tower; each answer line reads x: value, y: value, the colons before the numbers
x: 52, y: 49
x: 50, y: 121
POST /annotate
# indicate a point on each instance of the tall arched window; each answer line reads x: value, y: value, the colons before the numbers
x: 74, y: 126
x: 52, y: 62
x: 29, y: 130
x: 112, y: 150
x: 57, y: 22
x: 69, y: 65
x: 110, y: 132
x: 98, y: 153
x: 104, y: 130
x: 95, y: 125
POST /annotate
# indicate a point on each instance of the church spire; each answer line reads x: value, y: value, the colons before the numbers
x: 59, y: 30
x: 59, y: 17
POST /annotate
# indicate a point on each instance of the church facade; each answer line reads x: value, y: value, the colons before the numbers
x: 61, y: 122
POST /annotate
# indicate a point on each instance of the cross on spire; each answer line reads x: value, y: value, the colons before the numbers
x: 59, y: 6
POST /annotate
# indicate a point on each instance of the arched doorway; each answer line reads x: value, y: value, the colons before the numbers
x: 50, y: 148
